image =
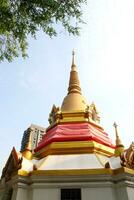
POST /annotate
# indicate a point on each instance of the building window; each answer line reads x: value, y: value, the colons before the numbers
x: 70, y: 194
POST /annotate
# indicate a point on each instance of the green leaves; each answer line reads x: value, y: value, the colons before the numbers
x: 19, y: 18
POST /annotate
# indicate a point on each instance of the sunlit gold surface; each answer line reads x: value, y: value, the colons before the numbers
x: 58, y: 117
x: 123, y: 170
x: 27, y: 154
x: 74, y: 172
x: 73, y: 102
x: 23, y: 172
x: 57, y: 148
x: 78, y: 172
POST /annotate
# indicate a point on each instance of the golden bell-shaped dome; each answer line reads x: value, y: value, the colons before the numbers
x: 73, y: 102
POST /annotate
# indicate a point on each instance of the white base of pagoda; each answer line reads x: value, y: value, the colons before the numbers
x: 76, y: 161
x: 94, y: 187
x: 94, y: 190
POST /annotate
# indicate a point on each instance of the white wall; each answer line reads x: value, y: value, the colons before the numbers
x: 46, y: 194
x: 130, y: 193
x: 98, y: 193
x: 21, y: 194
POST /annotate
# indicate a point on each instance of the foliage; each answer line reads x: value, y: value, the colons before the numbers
x: 20, y: 18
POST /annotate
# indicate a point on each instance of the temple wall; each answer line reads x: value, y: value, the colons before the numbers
x: 121, y: 193
x: 98, y: 193
x: 46, y: 194
x: 86, y: 193
x: 124, y: 186
x: 92, y: 187
x: 44, y: 190
x: 130, y: 192
x: 20, y: 193
x: 94, y: 193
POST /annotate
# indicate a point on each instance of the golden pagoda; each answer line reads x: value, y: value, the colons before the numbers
x: 74, y: 128
x: 75, y: 160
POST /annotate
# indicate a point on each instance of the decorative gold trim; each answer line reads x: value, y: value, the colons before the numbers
x: 27, y: 154
x: 76, y: 172
x: 73, y: 148
x: 73, y: 172
x: 23, y: 172
x: 127, y: 170
x: 123, y: 170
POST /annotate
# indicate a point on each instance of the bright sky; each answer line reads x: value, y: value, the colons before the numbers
x: 105, y: 60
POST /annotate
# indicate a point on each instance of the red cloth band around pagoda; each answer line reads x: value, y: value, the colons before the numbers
x: 75, y: 132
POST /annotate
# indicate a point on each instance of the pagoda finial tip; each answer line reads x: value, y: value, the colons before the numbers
x: 115, y: 125
x: 73, y: 52
x: 116, y: 130
x: 73, y: 55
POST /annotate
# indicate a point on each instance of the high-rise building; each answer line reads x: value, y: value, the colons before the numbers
x: 33, y: 135
x: 75, y: 159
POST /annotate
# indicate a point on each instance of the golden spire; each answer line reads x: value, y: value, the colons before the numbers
x: 74, y: 84
x: 119, y: 146
x: 74, y: 101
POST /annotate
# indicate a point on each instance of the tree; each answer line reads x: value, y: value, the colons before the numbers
x: 20, y: 18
